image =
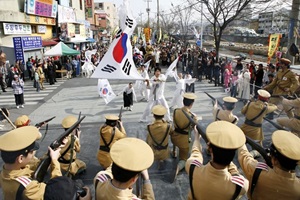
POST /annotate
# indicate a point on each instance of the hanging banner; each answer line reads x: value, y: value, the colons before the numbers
x: 66, y: 15
x: 147, y: 32
x: 16, y: 29
x: 274, y: 40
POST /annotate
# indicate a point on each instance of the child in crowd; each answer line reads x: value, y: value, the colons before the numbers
x: 226, y: 78
x: 233, y: 82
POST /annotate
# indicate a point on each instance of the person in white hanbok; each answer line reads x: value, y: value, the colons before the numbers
x: 129, y: 96
x: 157, y: 86
x: 177, y: 100
x: 244, y: 85
x: 142, y: 84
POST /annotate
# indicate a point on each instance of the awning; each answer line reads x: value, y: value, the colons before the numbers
x: 92, y: 40
x: 46, y: 43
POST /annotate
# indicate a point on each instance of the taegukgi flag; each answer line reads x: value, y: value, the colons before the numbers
x: 105, y: 91
x: 118, y: 63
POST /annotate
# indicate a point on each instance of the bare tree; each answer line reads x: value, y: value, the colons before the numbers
x: 167, y: 22
x: 219, y: 13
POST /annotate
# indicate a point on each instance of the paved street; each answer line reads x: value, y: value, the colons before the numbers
x: 80, y: 94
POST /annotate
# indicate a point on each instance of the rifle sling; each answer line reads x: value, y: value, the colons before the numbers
x: 254, y: 180
x: 72, y: 153
x: 159, y: 146
x: 19, y: 195
x: 251, y: 122
x: 218, y: 119
x: 106, y: 145
x: 178, y: 128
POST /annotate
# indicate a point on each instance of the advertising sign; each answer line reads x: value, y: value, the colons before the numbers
x: 46, y: 8
x: 19, y: 54
x: 16, y: 29
x: 32, y: 42
x: 41, y: 29
x: 66, y: 14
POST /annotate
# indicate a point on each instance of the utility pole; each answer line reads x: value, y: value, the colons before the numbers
x: 201, y: 36
x: 157, y: 31
x: 294, y: 25
x: 148, y: 11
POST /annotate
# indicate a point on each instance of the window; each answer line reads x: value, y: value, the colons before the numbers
x: 80, y: 4
x: 77, y: 28
x: 33, y: 28
x: 101, y: 6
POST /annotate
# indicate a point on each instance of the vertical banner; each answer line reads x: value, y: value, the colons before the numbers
x: 274, y: 40
x: 147, y: 32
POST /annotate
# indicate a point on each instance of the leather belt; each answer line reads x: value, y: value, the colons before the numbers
x: 181, y: 131
x: 64, y: 161
x: 160, y: 147
x: 251, y: 123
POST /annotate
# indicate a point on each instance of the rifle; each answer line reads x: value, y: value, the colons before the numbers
x: 5, y: 114
x: 274, y: 124
x: 139, y: 186
x: 214, y: 99
x: 286, y: 96
x: 199, y: 128
x: 40, y: 124
x: 120, y: 113
x: 260, y: 150
x: 43, y: 166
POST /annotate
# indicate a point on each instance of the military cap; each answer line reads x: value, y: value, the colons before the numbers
x: 22, y: 121
x: 285, y: 61
x: 225, y: 135
x: 68, y: 121
x: 159, y: 110
x: 230, y: 99
x: 132, y: 154
x: 264, y: 93
x: 20, y: 138
x: 111, y: 117
x: 287, y: 144
x: 190, y: 96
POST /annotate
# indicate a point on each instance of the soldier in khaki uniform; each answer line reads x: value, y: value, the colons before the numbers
x: 285, y: 83
x: 17, y: 150
x: 218, y: 179
x: 254, y: 113
x: 226, y: 114
x: 131, y: 156
x: 109, y: 134
x: 158, y: 134
x: 74, y: 166
x: 279, y: 182
x: 293, y: 124
x: 182, y: 128
x: 22, y: 121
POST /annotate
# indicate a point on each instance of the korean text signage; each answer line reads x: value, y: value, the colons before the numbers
x: 25, y: 43
x: 15, y: 29
x: 66, y: 14
x: 46, y: 8
x: 19, y: 53
x: 274, y: 41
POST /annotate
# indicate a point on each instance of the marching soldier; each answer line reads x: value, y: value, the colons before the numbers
x: 109, y: 134
x: 254, y: 113
x: 293, y: 124
x: 182, y: 128
x: 131, y: 156
x: 17, y: 150
x: 279, y: 182
x: 285, y: 83
x: 68, y: 159
x: 226, y: 114
x: 219, y: 179
x: 158, y: 134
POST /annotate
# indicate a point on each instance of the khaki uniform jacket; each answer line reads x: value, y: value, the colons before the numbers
x: 10, y: 181
x: 106, y: 132
x: 180, y: 121
x: 210, y: 183
x: 283, y: 79
x: 272, y: 184
x: 160, y: 133
x: 252, y: 111
x: 106, y: 190
x: 76, y: 164
x: 292, y: 124
x: 224, y: 115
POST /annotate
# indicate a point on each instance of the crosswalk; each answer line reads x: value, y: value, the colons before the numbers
x: 31, y: 96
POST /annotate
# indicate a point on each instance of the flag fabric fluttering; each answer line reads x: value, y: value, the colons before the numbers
x: 105, y: 91
x: 118, y: 63
x: 171, y: 67
x: 147, y: 64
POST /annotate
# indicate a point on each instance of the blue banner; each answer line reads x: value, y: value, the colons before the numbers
x: 19, y: 53
x: 32, y: 42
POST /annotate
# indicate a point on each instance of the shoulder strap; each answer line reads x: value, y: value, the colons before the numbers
x: 19, y: 195
x: 176, y: 123
x: 217, y: 115
x: 285, y: 74
x: 254, y: 180
x: 261, y: 112
x: 24, y: 181
x: 111, y: 139
x: 235, y: 119
x: 166, y: 134
x: 237, y: 191
x: 191, y: 171
x: 247, y: 107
